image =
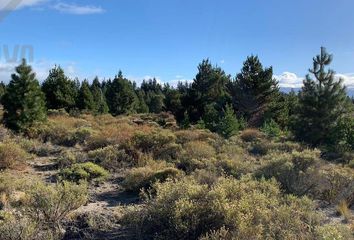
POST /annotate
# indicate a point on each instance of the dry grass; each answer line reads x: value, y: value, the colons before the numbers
x: 12, y: 156
x: 343, y: 210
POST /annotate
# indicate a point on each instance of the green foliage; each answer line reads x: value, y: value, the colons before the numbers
x: 208, y: 87
x: 153, y: 95
x: 121, y: 97
x: 321, y: 103
x: 254, y: 90
x: 144, y: 177
x: 99, y: 99
x: 59, y: 90
x: 84, y: 171
x: 51, y: 204
x: 250, y: 209
x: 228, y: 124
x: 85, y: 99
x: 12, y: 156
x: 296, y: 171
x: 112, y: 158
x: 23, y: 101
x: 271, y: 129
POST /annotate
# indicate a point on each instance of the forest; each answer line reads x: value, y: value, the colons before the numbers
x: 221, y: 158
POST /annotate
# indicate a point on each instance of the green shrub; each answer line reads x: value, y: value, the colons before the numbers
x: 151, y: 142
x: 260, y: 148
x: 12, y: 156
x: 112, y: 158
x: 51, y: 204
x: 250, y: 209
x: 271, y: 129
x: 297, y: 172
x: 84, y: 171
x: 170, y: 152
x: 198, y: 150
x: 251, y: 135
x: 144, y: 177
x: 66, y: 159
x: 337, y: 184
x: 332, y: 231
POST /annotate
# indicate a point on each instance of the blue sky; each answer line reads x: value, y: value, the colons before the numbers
x: 168, y: 38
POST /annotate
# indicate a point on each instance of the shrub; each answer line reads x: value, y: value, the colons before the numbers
x: 332, y: 231
x: 297, y: 172
x: 260, y: 148
x: 67, y: 159
x: 14, y: 227
x: 83, y: 171
x: 170, y: 152
x: 112, y: 158
x: 12, y: 156
x: 185, y: 136
x: 50, y: 204
x: 250, y: 135
x: 271, y: 128
x: 198, y: 150
x: 144, y: 177
x: 343, y: 210
x: 337, y: 184
x: 250, y: 209
x: 151, y: 142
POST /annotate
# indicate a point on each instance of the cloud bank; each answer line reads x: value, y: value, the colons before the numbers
x: 63, y: 7
x: 291, y: 80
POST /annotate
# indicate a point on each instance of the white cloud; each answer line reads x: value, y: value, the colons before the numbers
x: 222, y: 61
x: 289, y: 80
x: 7, y: 6
x: 10, y: 5
x: 41, y: 68
x: 78, y: 9
x: 348, y: 79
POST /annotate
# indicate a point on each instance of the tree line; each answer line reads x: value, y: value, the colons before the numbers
x: 320, y: 114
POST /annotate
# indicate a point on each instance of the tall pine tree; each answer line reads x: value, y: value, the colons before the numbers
x: 208, y: 87
x: 23, y: 101
x: 59, y: 90
x: 121, y: 96
x: 253, y: 91
x: 99, y: 99
x: 85, y: 99
x: 322, y: 102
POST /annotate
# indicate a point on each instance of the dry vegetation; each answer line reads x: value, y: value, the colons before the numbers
x: 140, y: 177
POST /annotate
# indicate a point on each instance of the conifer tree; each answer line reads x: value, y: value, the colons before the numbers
x: 208, y: 87
x: 85, y: 99
x: 121, y: 96
x: 254, y: 90
x: 23, y: 101
x: 59, y: 90
x: 228, y: 124
x: 99, y: 99
x: 322, y: 102
x: 2, y: 90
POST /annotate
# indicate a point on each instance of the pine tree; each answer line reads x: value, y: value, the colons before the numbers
x: 2, y: 90
x: 59, y: 90
x: 99, y: 99
x: 254, y: 90
x: 208, y: 87
x: 23, y: 101
x: 228, y: 125
x: 85, y: 99
x: 322, y: 103
x: 142, y: 106
x: 121, y: 97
